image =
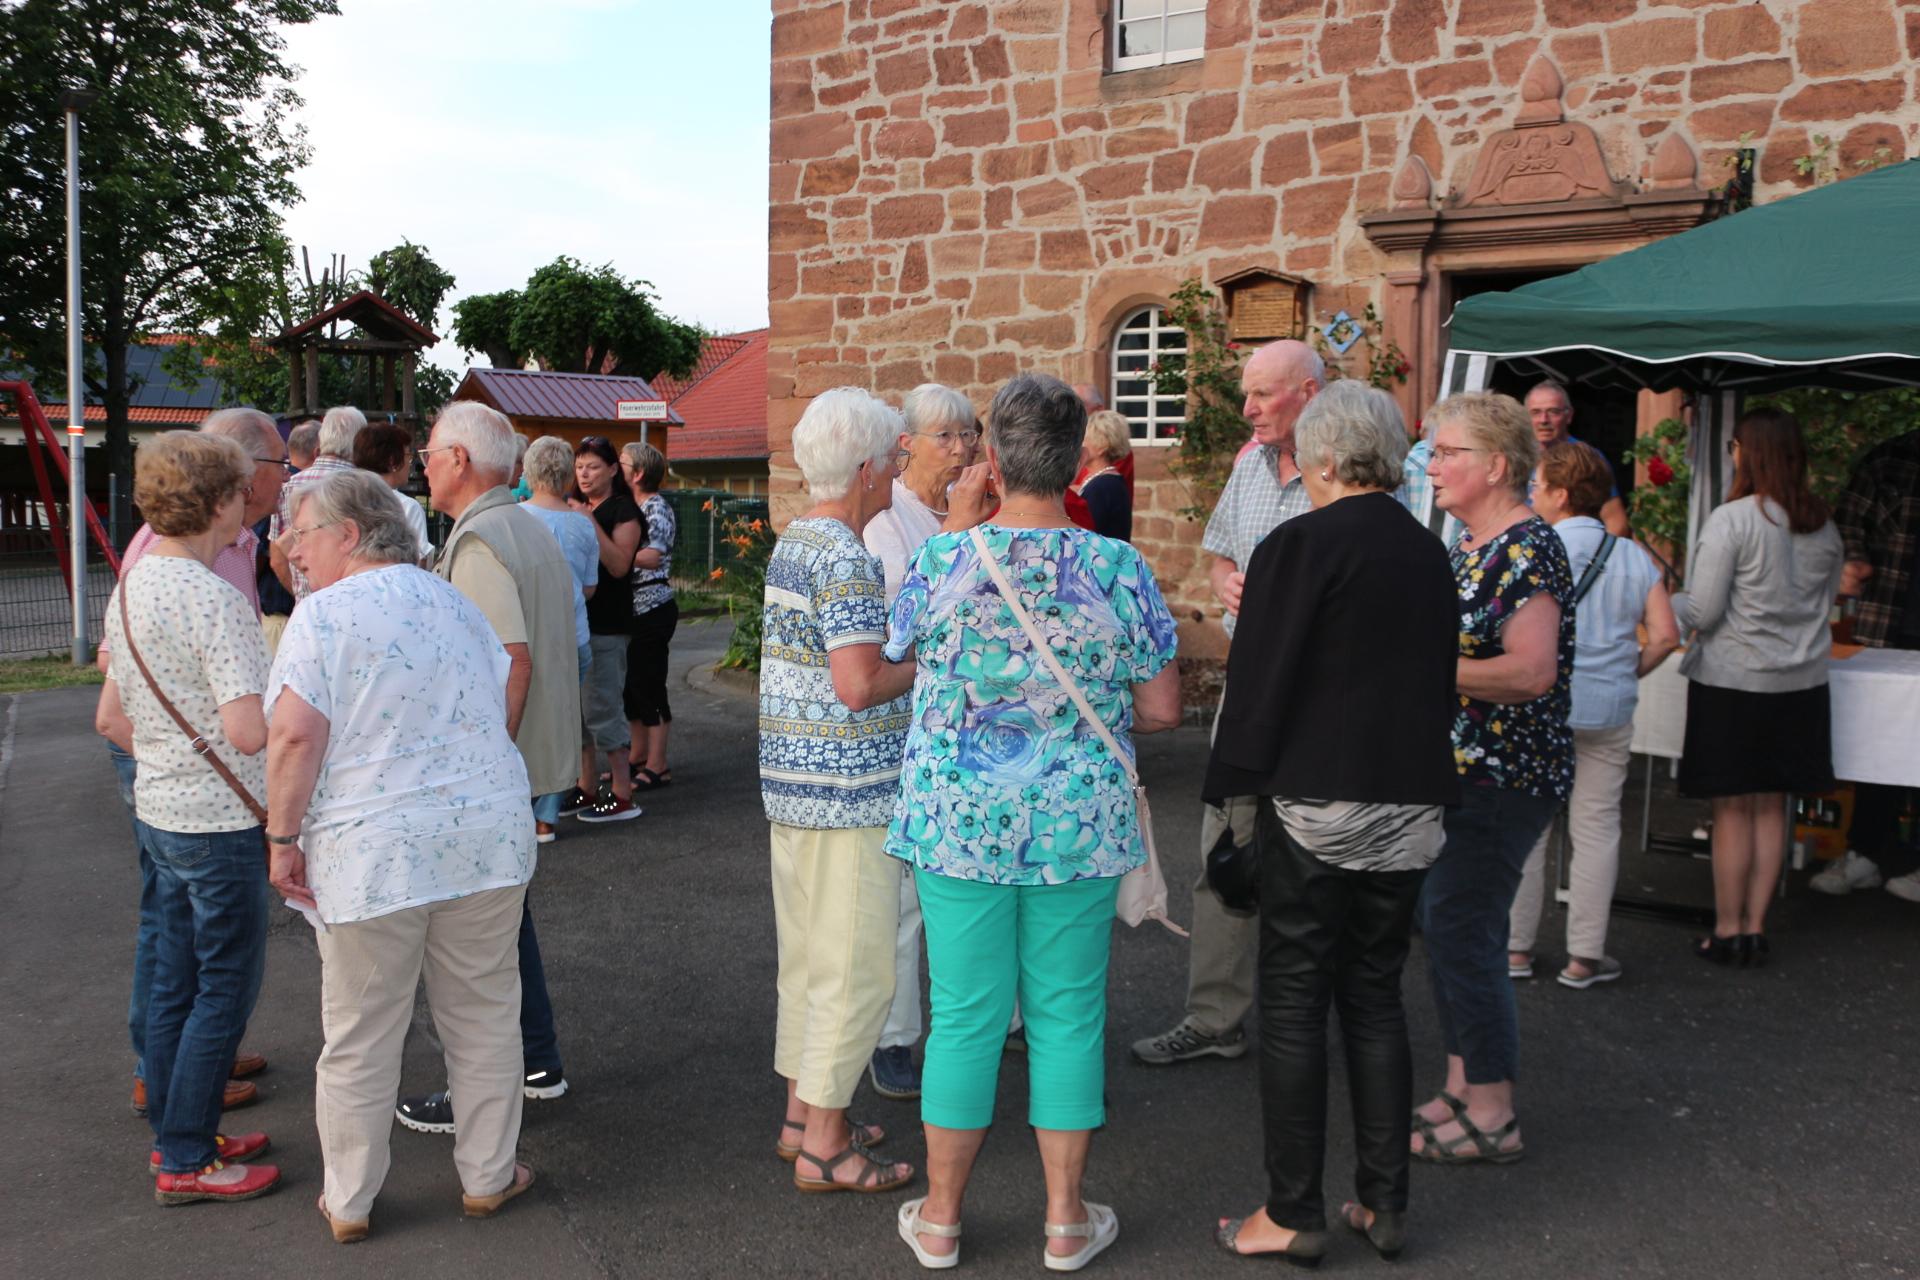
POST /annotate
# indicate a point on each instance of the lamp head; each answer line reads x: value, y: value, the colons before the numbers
x: 78, y: 98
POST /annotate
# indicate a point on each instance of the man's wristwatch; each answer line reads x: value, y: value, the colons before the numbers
x: 274, y: 839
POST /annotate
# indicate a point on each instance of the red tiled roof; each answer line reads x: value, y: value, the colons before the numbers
x: 591, y: 398
x: 56, y: 412
x: 726, y: 411
x: 714, y: 352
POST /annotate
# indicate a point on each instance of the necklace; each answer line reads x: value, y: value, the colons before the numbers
x: 1467, y: 537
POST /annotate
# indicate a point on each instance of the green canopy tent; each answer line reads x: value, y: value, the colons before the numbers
x: 1820, y: 288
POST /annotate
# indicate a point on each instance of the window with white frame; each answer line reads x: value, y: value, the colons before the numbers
x: 1142, y: 340
x: 1152, y: 33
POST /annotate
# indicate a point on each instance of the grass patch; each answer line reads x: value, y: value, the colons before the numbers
x: 28, y: 675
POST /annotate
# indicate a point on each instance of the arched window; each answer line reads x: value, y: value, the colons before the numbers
x: 1143, y: 339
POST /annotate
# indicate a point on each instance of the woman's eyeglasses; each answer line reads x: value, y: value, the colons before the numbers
x: 1448, y: 452
x: 295, y: 532
x: 949, y: 439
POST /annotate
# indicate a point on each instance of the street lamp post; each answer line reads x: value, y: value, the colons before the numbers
x: 72, y: 103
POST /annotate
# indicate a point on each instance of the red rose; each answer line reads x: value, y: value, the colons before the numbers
x: 1659, y: 472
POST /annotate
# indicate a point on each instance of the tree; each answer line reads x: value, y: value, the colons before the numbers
x: 186, y: 160
x: 575, y: 320
x: 410, y: 280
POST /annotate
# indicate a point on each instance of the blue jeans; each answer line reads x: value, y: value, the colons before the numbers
x: 123, y: 769
x: 1463, y: 914
x: 539, y: 1043
x: 210, y: 896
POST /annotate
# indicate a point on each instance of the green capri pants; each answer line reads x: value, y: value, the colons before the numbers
x: 1045, y: 944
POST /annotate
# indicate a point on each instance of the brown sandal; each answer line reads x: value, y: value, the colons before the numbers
x: 862, y: 1133
x: 487, y: 1206
x: 873, y: 1177
x: 343, y: 1232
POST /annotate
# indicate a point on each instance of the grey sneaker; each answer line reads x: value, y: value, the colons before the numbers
x: 1186, y: 1042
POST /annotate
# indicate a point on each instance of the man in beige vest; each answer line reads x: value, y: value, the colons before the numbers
x: 510, y: 566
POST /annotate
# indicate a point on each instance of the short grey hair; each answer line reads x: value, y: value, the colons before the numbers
x: 1556, y: 387
x: 1036, y: 426
x: 245, y: 426
x: 1110, y: 430
x: 548, y: 466
x: 930, y: 407
x: 1497, y: 423
x: 840, y: 430
x: 1360, y: 428
x: 337, y: 430
x: 372, y: 506
x: 649, y: 464
x: 484, y: 432
x: 304, y: 440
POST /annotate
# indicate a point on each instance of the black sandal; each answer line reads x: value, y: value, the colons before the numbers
x: 874, y: 1174
x: 647, y: 780
x: 1753, y: 950
x: 1487, y: 1149
x: 1425, y: 1127
x: 1717, y: 949
x: 863, y: 1135
x: 1387, y: 1233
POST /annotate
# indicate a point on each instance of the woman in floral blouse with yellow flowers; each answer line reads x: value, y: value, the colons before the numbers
x: 1514, y: 752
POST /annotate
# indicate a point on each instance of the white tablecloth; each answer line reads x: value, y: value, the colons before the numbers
x: 1876, y: 715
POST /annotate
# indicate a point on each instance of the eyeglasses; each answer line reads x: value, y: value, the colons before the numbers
x: 439, y: 448
x: 281, y: 463
x: 900, y: 458
x: 1447, y: 452
x: 295, y: 533
x: 948, y: 439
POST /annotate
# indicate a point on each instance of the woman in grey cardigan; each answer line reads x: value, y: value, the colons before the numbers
x: 1763, y: 579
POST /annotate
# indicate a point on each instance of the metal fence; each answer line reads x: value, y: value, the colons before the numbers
x: 36, y: 613
x: 700, y: 545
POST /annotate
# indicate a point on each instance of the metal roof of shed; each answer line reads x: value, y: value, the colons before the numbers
x: 587, y: 398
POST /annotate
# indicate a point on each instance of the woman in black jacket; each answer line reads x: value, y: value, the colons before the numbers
x: 1338, y: 708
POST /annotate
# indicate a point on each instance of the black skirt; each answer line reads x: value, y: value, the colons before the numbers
x: 1740, y: 742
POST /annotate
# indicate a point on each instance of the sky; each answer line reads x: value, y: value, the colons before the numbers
x: 500, y: 135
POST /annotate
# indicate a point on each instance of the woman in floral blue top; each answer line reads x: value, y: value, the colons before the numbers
x: 1016, y: 818
x: 1514, y: 752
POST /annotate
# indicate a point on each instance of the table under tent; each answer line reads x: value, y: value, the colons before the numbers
x: 1817, y: 289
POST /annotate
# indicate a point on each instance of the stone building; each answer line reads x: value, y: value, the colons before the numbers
x: 963, y: 190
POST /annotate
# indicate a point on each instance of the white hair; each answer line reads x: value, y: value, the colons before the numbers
x: 841, y: 429
x: 247, y: 427
x: 374, y: 508
x: 549, y: 466
x: 1359, y: 428
x: 930, y: 406
x: 483, y: 432
x: 337, y: 430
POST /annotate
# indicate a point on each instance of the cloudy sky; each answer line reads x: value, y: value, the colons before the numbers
x: 501, y: 135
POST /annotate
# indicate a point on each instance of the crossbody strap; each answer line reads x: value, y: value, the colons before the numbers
x: 1594, y: 566
x: 1045, y: 655
x: 201, y: 747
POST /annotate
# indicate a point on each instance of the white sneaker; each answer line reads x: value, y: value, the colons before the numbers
x: 1851, y: 872
x: 1906, y: 886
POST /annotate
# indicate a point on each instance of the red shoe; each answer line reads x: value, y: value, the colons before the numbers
x: 247, y: 1064
x: 239, y: 1093
x: 235, y: 1150
x: 185, y: 1188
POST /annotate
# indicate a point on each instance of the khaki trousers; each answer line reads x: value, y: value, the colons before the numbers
x: 468, y: 951
x: 1600, y: 760
x: 1220, y: 964
x: 836, y: 912
x: 272, y: 625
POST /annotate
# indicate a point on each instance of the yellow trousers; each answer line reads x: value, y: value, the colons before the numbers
x: 836, y: 909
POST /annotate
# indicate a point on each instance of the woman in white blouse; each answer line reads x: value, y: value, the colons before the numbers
x: 398, y: 820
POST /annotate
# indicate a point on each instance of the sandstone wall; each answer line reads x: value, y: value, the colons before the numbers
x: 958, y: 191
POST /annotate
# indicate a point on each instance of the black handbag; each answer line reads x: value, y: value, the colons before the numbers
x: 1233, y: 873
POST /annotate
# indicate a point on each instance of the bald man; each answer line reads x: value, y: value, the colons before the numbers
x: 1551, y: 409
x: 1263, y: 492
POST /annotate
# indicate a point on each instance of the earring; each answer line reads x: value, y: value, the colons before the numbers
x: 1323, y: 475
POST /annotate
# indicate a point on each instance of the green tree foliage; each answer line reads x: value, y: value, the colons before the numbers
x: 1842, y: 425
x: 410, y: 280
x: 186, y: 159
x: 575, y: 319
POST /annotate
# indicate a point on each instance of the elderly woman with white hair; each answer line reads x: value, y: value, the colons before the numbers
x: 547, y: 469
x: 397, y: 819
x: 1513, y: 749
x: 941, y: 438
x: 338, y: 431
x: 833, y: 722
x: 1109, y: 500
x: 1338, y: 707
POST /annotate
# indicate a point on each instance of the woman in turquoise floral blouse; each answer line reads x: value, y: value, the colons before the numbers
x: 1015, y: 817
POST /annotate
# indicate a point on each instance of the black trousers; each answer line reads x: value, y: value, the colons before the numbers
x: 1331, y: 935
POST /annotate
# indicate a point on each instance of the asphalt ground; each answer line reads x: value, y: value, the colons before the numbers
x: 1686, y: 1121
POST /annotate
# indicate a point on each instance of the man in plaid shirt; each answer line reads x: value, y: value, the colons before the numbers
x: 1879, y: 517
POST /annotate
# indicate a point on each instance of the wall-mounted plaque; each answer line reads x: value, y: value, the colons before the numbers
x: 1263, y: 305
